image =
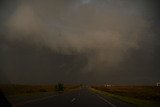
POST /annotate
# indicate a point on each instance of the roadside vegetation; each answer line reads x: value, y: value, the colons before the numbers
x: 142, y: 96
x: 17, y: 94
x: 35, y: 89
x: 59, y: 87
x: 25, y: 89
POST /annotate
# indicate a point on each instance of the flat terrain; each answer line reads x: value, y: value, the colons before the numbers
x: 141, y: 92
x: 79, y: 98
x: 25, y: 89
x: 146, y: 96
x: 17, y: 94
x: 32, y: 89
x: 82, y: 96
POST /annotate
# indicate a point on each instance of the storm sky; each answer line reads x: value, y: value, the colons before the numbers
x: 79, y: 41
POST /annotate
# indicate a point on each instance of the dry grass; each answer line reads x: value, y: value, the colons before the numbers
x: 25, y: 89
x: 71, y: 87
x: 31, y: 89
x: 141, y: 92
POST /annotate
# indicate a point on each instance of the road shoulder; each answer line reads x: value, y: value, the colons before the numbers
x: 129, y: 100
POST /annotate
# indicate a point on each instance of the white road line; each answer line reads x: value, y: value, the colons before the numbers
x: 105, y: 100
x: 73, y: 99
x: 35, y: 100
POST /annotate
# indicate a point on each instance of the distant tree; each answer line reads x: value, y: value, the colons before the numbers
x: 81, y: 85
x: 59, y: 87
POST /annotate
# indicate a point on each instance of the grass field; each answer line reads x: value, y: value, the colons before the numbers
x: 32, y: 89
x: 18, y: 94
x: 143, y: 96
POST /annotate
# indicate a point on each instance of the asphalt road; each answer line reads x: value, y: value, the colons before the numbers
x: 80, y: 98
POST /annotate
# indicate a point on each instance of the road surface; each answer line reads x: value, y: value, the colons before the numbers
x: 79, y: 98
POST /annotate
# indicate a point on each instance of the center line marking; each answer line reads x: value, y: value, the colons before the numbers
x: 105, y: 100
x: 73, y: 99
x: 35, y: 100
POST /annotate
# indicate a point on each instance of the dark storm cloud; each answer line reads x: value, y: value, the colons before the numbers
x: 103, y: 40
